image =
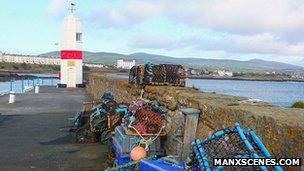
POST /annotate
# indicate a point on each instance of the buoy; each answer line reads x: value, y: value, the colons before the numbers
x: 138, y: 153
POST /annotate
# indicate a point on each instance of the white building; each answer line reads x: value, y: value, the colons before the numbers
x: 71, y: 51
x: 222, y: 73
x: 125, y: 64
x: 28, y: 59
x: 94, y: 65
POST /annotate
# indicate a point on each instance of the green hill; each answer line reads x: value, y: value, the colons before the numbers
x: 233, y: 65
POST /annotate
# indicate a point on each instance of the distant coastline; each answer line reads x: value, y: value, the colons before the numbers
x: 19, y: 75
x: 244, y: 78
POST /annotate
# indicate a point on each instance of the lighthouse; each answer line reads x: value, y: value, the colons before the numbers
x: 71, y: 51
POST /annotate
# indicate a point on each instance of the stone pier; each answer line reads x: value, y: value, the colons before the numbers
x: 281, y: 129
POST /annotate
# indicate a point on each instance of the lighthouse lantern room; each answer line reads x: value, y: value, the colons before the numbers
x: 71, y: 51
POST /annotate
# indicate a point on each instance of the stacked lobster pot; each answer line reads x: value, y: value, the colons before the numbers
x: 143, y: 125
x: 98, y: 121
x: 162, y: 74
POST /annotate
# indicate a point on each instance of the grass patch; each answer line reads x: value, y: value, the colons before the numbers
x: 233, y: 104
x: 298, y: 104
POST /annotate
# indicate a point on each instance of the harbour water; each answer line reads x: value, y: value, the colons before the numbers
x: 18, y: 86
x: 277, y: 93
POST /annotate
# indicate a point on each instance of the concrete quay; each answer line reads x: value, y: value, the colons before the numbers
x: 34, y: 133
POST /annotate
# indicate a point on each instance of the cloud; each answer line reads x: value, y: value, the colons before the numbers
x: 239, y: 26
x: 243, y: 15
x: 125, y: 15
x: 237, y: 16
x: 265, y: 43
x: 56, y: 8
x: 282, y: 17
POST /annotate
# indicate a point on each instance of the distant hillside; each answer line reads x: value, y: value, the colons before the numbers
x: 234, y: 65
x: 301, y: 63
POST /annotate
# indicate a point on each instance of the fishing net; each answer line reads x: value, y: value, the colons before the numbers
x: 148, y: 73
x: 132, y: 75
x: 159, y: 74
x: 106, y: 97
x: 137, y: 104
x: 147, y: 121
x: 139, y: 74
x: 174, y: 74
x: 148, y: 118
x: 163, y: 74
x: 228, y: 146
x: 97, y: 123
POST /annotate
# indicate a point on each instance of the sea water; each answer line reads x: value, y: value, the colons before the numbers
x: 277, y: 93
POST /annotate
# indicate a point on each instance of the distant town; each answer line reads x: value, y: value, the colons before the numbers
x: 269, y: 75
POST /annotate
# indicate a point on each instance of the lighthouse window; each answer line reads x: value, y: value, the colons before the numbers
x: 78, y: 36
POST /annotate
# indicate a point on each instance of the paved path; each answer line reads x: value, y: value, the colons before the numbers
x: 34, y: 133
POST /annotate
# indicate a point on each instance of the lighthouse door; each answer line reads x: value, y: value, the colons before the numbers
x: 71, y: 78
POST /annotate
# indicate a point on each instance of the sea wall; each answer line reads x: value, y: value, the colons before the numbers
x: 281, y: 129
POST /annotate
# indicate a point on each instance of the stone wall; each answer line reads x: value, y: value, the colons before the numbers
x: 281, y: 129
x: 122, y: 91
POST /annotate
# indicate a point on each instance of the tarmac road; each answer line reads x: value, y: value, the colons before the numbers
x: 34, y: 133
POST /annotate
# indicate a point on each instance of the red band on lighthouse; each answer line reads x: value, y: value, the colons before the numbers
x: 71, y: 54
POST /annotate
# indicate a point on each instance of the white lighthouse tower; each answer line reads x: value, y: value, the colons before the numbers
x: 71, y: 51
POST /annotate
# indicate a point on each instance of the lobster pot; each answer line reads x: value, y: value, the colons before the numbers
x: 159, y: 74
x: 132, y: 75
x: 113, y: 118
x: 163, y: 74
x: 230, y: 143
x: 140, y: 74
x: 174, y: 74
x: 148, y: 122
x: 124, y: 143
x: 149, y: 119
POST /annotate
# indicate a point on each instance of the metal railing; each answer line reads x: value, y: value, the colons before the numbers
x: 24, y: 85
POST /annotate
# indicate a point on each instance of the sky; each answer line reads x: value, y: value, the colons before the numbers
x: 219, y: 29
